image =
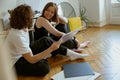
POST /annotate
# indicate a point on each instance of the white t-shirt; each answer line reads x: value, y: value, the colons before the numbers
x: 16, y: 44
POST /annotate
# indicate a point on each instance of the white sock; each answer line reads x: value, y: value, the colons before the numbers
x: 84, y: 44
x: 74, y: 55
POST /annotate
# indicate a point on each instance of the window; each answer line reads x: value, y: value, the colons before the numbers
x: 115, y: 1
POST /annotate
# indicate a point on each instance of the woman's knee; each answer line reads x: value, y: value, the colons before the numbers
x: 46, y: 70
x: 44, y: 67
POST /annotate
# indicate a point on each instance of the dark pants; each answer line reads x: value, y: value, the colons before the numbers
x: 40, y: 68
x: 71, y: 43
x: 23, y: 67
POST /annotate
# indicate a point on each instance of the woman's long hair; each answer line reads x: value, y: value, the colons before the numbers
x: 55, y: 17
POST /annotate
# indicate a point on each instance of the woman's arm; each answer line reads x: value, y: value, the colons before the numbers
x: 35, y: 58
x: 62, y: 20
x: 46, y: 24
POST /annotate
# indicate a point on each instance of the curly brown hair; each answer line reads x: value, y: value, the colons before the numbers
x: 49, y: 4
x: 21, y: 17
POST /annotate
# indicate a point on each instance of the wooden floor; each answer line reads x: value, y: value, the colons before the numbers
x: 104, y: 53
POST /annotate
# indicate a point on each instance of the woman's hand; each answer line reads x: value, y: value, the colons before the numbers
x: 55, y: 45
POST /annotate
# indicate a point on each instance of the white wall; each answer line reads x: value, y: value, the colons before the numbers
x: 39, y: 4
x: 95, y: 11
x: 36, y: 4
x: 5, y: 5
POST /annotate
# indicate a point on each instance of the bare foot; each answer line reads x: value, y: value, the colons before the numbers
x: 84, y: 44
x: 79, y: 50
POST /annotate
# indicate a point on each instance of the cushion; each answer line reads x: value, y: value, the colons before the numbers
x: 74, y: 23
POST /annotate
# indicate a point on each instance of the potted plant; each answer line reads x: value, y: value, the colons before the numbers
x: 84, y: 18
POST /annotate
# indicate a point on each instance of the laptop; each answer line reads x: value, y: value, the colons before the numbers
x: 77, y: 69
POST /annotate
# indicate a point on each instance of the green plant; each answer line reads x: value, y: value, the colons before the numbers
x: 83, y: 14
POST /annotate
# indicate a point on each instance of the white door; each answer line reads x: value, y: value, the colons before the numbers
x: 114, y: 8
